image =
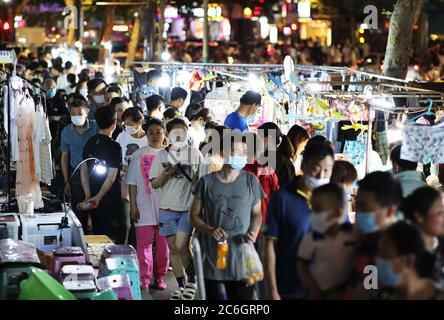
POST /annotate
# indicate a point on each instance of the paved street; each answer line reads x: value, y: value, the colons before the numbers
x: 155, y: 294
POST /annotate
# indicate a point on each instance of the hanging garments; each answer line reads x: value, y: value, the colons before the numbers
x: 423, y: 144
x: 42, y: 148
x: 26, y: 180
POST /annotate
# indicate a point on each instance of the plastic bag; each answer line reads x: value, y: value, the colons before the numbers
x: 251, y: 266
x: 14, y: 251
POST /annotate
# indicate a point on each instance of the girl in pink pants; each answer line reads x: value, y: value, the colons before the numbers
x: 144, y: 202
x: 146, y: 235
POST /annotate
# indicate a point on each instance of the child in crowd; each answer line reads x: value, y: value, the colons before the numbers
x: 425, y: 208
x: 377, y: 203
x: 406, y: 269
x: 174, y: 171
x: 345, y: 174
x: 131, y: 139
x: 145, y: 202
x: 325, y: 255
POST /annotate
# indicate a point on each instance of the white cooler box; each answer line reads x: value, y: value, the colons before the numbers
x: 45, y: 232
x: 9, y: 226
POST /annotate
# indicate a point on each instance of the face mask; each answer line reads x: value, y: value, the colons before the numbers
x: 180, y: 144
x: 386, y: 273
x: 51, y: 93
x: 130, y: 129
x: 313, y: 182
x: 366, y: 222
x: 99, y: 99
x: 237, y: 162
x: 36, y: 91
x: 78, y: 121
x: 318, y: 222
x: 84, y: 92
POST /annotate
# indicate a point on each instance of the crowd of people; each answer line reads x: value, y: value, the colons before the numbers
x: 156, y: 174
x: 307, y: 52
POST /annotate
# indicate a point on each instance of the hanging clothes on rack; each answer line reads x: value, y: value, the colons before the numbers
x: 422, y: 143
x: 42, y: 147
x: 23, y: 110
x: 3, y: 131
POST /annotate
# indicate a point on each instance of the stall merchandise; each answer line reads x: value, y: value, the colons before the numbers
x: 316, y: 97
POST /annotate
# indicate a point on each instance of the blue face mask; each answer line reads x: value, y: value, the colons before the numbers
x: 386, y: 274
x: 36, y: 91
x: 366, y: 222
x: 237, y: 162
x: 51, y: 93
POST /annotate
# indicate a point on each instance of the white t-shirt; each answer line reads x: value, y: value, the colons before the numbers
x: 176, y: 193
x: 129, y: 146
x: 197, y: 136
x: 330, y: 257
x: 148, y: 199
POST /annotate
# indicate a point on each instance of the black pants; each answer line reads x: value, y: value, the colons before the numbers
x: 107, y: 220
x: 236, y: 290
x: 78, y: 196
x: 122, y: 223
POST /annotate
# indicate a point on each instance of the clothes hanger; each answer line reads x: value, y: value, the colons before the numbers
x: 429, y: 112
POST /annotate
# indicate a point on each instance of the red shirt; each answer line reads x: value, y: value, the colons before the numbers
x: 269, y: 182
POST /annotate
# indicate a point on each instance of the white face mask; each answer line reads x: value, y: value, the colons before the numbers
x: 313, y: 182
x: 318, y: 221
x: 179, y: 144
x: 84, y: 92
x: 130, y: 129
x: 78, y: 121
x: 99, y: 99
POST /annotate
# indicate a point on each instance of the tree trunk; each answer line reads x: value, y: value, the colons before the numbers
x: 134, y: 41
x: 399, y: 43
x: 71, y: 32
x: 107, y: 29
x: 160, y: 41
x: 108, y: 24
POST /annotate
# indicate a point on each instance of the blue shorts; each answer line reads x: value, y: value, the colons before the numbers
x: 172, y: 222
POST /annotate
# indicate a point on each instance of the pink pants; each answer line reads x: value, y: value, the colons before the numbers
x: 145, y: 237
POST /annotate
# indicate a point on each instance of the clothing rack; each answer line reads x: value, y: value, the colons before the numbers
x: 8, y: 57
x: 382, y: 86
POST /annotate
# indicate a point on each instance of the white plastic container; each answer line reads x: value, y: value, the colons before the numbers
x: 45, y: 231
x: 9, y: 226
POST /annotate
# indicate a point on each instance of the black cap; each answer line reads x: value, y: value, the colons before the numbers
x: 251, y: 97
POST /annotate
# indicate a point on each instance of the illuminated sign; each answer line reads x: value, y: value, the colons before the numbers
x: 171, y: 12
x: 120, y: 28
x: 214, y: 12
x: 304, y: 9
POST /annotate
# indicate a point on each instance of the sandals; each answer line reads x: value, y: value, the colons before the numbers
x: 177, y: 295
x: 190, y: 291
